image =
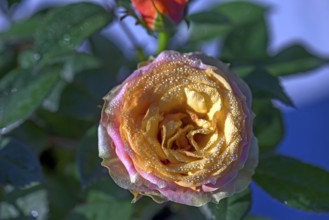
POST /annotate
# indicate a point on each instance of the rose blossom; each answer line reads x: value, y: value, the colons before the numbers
x: 150, y: 9
x: 179, y: 129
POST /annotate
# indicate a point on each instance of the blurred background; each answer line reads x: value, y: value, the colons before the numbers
x: 307, y: 126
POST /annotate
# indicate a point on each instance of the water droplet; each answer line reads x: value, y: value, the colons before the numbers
x: 36, y: 56
x: 34, y: 213
x: 13, y: 90
x: 66, y: 39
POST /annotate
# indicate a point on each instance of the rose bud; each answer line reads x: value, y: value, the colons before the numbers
x: 179, y: 129
x: 153, y: 10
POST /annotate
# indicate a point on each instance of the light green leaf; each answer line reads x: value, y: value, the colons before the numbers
x: 237, y: 14
x: 100, y: 206
x: 22, y: 30
x: 294, y: 59
x: 235, y: 207
x: 21, y: 92
x: 240, y: 12
x: 294, y: 183
x: 24, y: 203
x: 264, y: 85
x: 206, y: 32
x: 67, y: 27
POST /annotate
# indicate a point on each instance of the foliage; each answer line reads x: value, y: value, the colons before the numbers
x: 50, y: 97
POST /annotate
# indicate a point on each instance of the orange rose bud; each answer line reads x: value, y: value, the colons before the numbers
x: 151, y: 9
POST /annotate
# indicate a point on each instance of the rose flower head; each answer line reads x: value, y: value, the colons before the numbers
x: 152, y: 11
x: 179, y: 129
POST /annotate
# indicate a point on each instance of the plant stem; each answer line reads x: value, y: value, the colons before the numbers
x: 163, y: 41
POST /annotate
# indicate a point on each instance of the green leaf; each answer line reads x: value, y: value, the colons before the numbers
x: 294, y: 59
x: 179, y: 211
x: 206, y: 32
x: 33, y: 135
x: 264, y: 85
x: 100, y: 206
x: 67, y: 27
x: 237, y: 14
x: 12, y: 2
x: 72, y: 64
x: 64, y: 194
x: 22, y: 30
x: 89, y: 164
x: 232, y: 208
x: 294, y: 183
x: 146, y: 208
x: 209, y: 17
x: 83, y: 97
x: 19, y: 166
x: 253, y: 217
x: 7, y: 58
x: 240, y: 12
x: 106, y: 51
x: 246, y: 43
x: 54, y: 124
x: 268, y: 125
x: 21, y: 92
x: 24, y: 203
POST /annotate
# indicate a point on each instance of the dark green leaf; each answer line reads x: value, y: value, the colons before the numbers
x: 89, y: 164
x: 268, y: 125
x: 106, y: 185
x: 100, y: 206
x: 7, y: 58
x: 19, y: 166
x: 294, y: 59
x: 209, y: 17
x: 294, y: 183
x: 55, y: 121
x: 235, y: 207
x: 64, y: 193
x: 246, y: 43
x: 72, y: 64
x: 12, y: 2
x: 146, y: 208
x: 21, y: 92
x: 264, y: 85
x: 180, y: 212
x: 65, y: 28
x: 22, y: 30
x: 252, y: 217
x: 83, y: 97
x: 110, y: 55
x: 32, y: 134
